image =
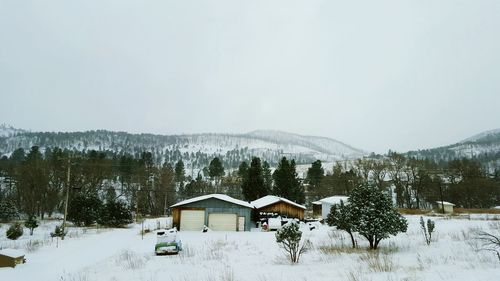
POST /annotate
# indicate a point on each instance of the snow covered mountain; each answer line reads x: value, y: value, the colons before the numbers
x: 483, y: 147
x: 195, y: 149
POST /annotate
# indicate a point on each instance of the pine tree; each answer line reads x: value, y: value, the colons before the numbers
x: 268, y: 177
x: 315, y: 174
x: 341, y: 217
x: 115, y: 214
x: 287, y: 183
x: 243, y: 170
x: 15, y: 231
x: 84, y: 209
x: 289, y: 237
x: 8, y: 211
x: 167, y: 185
x: 33, y: 182
x: 31, y: 223
x: 215, y: 169
x: 253, y: 184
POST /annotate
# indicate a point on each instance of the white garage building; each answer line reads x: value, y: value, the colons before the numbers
x: 217, y: 211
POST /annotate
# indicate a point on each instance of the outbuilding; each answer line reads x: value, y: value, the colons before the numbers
x: 316, y: 208
x: 327, y: 203
x: 447, y: 206
x: 217, y: 211
x: 11, y: 258
x: 279, y: 205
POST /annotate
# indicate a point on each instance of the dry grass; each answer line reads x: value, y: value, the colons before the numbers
x: 131, y: 260
x: 414, y: 211
x: 378, y: 262
x: 476, y: 211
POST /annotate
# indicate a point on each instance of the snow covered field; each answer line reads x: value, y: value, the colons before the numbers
x: 121, y: 254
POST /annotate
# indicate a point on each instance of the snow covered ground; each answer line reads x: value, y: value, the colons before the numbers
x: 121, y: 254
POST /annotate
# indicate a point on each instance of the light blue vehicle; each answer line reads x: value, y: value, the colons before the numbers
x: 167, y: 242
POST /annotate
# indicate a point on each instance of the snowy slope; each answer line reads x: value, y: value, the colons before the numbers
x: 484, y: 136
x: 195, y: 148
x: 483, y: 147
x: 9, y: 131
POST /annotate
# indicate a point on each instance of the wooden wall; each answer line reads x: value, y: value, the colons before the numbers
x: 284, y: 209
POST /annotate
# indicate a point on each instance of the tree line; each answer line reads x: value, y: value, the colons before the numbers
x: 36, y: 181
x: 412, y: 183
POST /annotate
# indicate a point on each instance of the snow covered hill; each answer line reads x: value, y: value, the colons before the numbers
x: 9, y: 131
x: 195, y: 149
x: 483, y: 147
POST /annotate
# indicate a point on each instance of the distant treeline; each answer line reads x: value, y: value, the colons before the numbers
x: 37, y: 183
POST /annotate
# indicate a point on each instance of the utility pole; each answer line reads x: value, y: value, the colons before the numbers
x: 441, y: 194
x: 67, y: 197
x: 165, y: 203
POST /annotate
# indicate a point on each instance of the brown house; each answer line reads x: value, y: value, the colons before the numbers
x: 282, y: 206
x: 11, y: 258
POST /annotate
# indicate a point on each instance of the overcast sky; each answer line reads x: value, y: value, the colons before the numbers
x: 377, y: 75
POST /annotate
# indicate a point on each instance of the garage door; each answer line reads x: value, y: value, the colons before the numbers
x: 192, y: 220
x: 222, y: 222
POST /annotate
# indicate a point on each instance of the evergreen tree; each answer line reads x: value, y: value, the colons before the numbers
x: 8, y: 211
x: 215, y: 169
x: 180, y: 173
x: 253, y: 186
x: 287, y: 183
x: 31, y: 223
x: 243, y: 170
x: 341, y: 217
x: 373, y: 215
x: 289, y: 237
x: 268, y: 177
x: 167, y: 186
x: 56, y: 161
x: 84, y: 209
x: 15, y: 231
x: 115, y: 214
x: 315, y: 174
x: 33, y: 182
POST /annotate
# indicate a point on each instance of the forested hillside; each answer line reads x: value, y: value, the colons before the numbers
x: 195, y: 150
x: 483, y: 148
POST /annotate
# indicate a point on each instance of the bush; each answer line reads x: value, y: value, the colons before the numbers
x: 490, y: 242
x: 8, y: 211
x: 31, y: 223
x: 427, y: 229
x: 59, y: 231
x: 84, y: 209
x: 115, y: 214
x: 289, y: 236
x: 15, y: 231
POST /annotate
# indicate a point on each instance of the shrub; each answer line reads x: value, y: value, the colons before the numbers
x: 59, y: 231
x: 490, y: 242
x: 84, y: 209
x: 427, y: 230
x: 115, y: 214
x: 15, y: 231
x: 8, y: 211
x: 289, y: 236
x: 31, y: 223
